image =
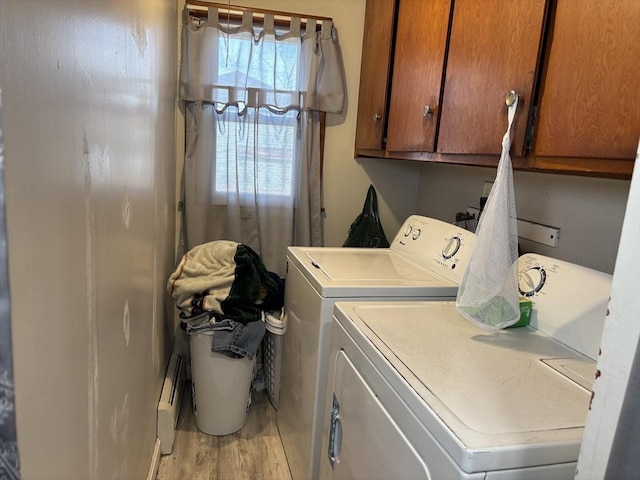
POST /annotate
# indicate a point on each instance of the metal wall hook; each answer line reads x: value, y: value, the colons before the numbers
x: 512, y: 96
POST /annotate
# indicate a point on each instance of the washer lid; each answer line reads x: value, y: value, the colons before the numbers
x: 491, y: 390
x: 368, y: 272
x: 375, y: 265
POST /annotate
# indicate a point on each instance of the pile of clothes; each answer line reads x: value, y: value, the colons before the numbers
x: 224, y: 287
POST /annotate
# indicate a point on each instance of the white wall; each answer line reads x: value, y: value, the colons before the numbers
x: 346, y: 180
x: 588, y: 211
x: 89, y: 117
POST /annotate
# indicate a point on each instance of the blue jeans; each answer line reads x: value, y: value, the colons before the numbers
x: 231, y: 338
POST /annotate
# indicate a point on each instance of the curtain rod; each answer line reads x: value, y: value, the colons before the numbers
x: 229, y: 6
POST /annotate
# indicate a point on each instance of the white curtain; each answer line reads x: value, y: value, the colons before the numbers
x: 253, y: 102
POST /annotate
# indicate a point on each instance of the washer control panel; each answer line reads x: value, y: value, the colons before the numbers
x: 441, y: 247
x: 451, y: 247
x: 411, y: 232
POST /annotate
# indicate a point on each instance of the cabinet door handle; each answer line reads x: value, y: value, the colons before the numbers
x: 376, y: 117
x: 428, y: 110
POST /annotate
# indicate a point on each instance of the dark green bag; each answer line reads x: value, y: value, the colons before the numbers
x: 366, y: 230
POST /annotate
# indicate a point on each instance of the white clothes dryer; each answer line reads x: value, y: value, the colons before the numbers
x: 426, y: 260
x: 416, y: 391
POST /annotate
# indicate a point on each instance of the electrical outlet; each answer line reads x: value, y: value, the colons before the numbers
x: 486, y: 188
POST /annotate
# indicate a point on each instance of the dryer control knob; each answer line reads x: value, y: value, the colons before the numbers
x: 531, y: 281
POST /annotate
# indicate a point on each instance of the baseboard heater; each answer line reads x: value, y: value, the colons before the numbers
x: 169, y: 405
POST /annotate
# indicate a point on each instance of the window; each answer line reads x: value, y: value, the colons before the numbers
x: 255, y: 147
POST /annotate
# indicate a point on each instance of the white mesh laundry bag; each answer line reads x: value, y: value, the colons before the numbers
x: 488, y: 295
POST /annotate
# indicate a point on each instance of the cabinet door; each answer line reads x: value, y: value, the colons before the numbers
x: 495, y: 47
x: 420, y: 47
x: 374, y: 74
x: 590, y: 103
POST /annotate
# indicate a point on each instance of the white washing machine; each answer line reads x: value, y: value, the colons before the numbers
x: 426, y: 260
x: 416, y: 391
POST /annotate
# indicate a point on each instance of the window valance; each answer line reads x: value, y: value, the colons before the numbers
x: 263, y: 64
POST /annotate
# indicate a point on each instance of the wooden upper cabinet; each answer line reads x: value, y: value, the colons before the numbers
x: 374, y: 74
x: 416, y: 85
x: 590, y: 95
x: 444, y: 74
x: 495, y: 47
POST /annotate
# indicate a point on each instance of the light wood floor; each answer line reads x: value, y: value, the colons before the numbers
x: 253, y: 453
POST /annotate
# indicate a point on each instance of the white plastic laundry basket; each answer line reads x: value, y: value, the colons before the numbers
x: 276, y: 324
x: 221, y: 387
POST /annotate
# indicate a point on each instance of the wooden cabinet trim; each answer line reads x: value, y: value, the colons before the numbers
x: 587, y: 167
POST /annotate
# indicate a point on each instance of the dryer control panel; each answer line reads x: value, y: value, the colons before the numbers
x: 569, y: 301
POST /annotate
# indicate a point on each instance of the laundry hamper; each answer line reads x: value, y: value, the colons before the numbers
x: 221, y: 387
x: 276, y: 324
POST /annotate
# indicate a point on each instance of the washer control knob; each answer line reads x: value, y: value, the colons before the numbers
x: 407, y: 230
x: 451, y: 248
x: 531, y: 281
x: 416, y: 233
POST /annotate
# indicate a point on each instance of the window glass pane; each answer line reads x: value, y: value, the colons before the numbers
x: 266, y: 65
x: 276, y: 149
